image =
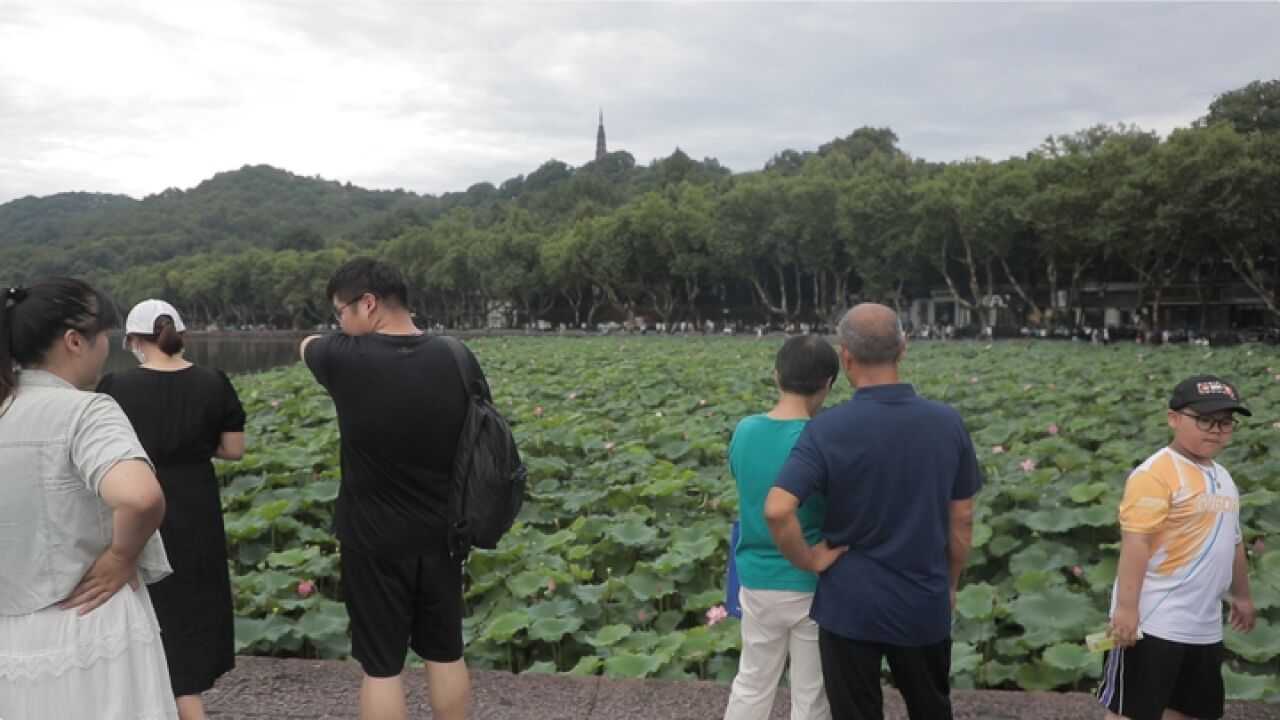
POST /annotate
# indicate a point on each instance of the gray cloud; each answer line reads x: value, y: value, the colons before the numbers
x: 133, y: 97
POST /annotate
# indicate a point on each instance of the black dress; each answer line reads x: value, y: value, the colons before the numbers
x: 180, y: 417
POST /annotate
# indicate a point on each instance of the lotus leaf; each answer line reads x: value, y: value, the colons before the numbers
x: 1053, y: 607
x: 589, y: 665
x: 505, y: 626
x: 1041, y: 676
x: 1262, y: 645
x: 1030, y: 581
x: 976, y: 600
x: 609, y: 635
x: 633, y: 533
x: 526, y: 583
x: 1044, y: 555
x: 1069, y: 656
x: 1086, y: 492
x: 552, y: 629
x: 631, y: 665
x: 327, y: 619
x: 964, y: 658
x: 1244, y: 686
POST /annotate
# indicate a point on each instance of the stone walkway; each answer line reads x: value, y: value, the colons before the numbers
x: 261, y: 688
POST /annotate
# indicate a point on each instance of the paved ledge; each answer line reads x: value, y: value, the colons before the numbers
x: 261, y: 688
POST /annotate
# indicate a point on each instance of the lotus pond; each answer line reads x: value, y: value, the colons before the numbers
x: 617, y: 563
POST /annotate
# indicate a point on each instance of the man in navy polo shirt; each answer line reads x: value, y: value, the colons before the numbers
x: 899, y: 474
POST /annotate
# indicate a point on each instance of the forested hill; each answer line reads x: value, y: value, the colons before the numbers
x: 33, y: 220
x: 257, y: 206
x: 267, y: 208
x: 1187, y: 218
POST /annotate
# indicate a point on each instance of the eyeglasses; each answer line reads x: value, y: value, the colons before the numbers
x: 1206, y: 423
x: 337, y: 312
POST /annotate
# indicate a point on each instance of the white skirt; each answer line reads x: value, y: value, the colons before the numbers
x: 107, y: 665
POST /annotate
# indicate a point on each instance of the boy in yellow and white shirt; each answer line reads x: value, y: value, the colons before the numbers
x: 1181, y: 552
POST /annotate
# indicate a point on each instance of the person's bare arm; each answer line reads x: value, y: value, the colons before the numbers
x: 130, y: 488
x: 1243, y: 614
x: 784, y: 525
x: 230, y: 446
x: 959, y: 541
x: 302, y: 347
x: 1135, y: 552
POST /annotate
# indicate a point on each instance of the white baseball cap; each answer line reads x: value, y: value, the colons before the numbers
x: 142, y: 318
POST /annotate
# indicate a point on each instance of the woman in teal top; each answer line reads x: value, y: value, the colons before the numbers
x: 775, y: 595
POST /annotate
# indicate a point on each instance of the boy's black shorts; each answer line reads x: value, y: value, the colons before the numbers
x: 400, y: 602
x: 1141, y: 681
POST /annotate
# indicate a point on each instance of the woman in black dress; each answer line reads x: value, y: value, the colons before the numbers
x: 185, y: 415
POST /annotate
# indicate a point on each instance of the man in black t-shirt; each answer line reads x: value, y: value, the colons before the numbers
x: 400, y: 409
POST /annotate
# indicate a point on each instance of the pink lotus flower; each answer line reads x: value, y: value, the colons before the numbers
x: 1077, y: 571
x: 973, y: 380
x: 537, y: 412
x: 551, y: 586
x: 1259, y: 546
x: 1028, y: 464
x: 573, y: 394
x: 1053, y: 429
x: 608, y: 447
x: 701, y: 402
x: 997, y: 449
x: 305, y: 588
x: 641, y: 616
x: 716, y: 614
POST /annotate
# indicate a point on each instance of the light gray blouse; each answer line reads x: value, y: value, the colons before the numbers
x: 56, y: 445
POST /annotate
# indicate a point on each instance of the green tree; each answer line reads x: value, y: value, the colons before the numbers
x: 1254, y: 108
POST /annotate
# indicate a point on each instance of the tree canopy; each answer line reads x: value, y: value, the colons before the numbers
x: 681, y: 239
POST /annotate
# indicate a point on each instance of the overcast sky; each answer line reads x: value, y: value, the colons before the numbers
x: 133, y: 96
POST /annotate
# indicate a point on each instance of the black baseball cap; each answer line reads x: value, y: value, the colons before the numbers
x: 1207, y: 394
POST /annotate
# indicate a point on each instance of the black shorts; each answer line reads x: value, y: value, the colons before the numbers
x: 1139, y: 682
x: 401, y: 602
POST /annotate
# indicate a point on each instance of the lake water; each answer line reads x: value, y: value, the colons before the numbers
x: 229, y: 352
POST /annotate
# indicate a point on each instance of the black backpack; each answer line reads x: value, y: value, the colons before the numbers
x: 488, y: 481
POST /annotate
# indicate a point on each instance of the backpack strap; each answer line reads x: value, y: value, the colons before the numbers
x: 462, y: 363
x: 460, y: 534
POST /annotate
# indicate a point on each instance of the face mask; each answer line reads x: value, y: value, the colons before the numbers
x: 142, y: 357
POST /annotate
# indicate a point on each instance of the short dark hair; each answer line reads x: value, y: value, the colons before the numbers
x: 365, y: 275
x: 806, y: 364
x: 33, y: 317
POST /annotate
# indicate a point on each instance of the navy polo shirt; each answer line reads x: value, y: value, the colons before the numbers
x: 889, y: 463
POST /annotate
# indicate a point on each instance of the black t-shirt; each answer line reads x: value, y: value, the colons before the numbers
x: 400, y: 409
x: 179, y: 415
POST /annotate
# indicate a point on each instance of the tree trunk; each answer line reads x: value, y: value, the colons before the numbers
x: 1021, y: 291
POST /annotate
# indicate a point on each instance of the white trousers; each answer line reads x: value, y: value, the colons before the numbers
x: 776, y: 623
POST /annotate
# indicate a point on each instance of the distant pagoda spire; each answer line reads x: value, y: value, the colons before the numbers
x: 600, y: 148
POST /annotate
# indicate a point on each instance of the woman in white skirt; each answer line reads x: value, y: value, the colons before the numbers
x: 78, y: 541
